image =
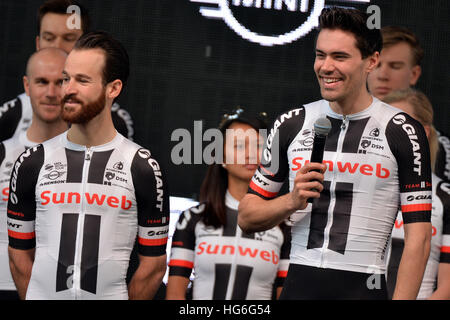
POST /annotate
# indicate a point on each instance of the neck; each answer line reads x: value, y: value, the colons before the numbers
x: 40, y: 131
x: 237, y: 188
x: 352, y: 104
x: 98, y: 131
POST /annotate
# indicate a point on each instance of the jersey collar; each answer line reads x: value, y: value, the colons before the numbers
x: 355, y: 116
x: 104, y: 147
x: 231, y: 202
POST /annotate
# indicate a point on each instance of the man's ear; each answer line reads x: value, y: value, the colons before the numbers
x: 373, y: 61
x: 26, y: 85
x: 415, y: 74
x: 113, y: 89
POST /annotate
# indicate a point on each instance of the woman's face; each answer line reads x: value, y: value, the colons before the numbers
x: 242, y: 151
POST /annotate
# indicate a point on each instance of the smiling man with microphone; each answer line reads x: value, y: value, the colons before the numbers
x: 346, y: 185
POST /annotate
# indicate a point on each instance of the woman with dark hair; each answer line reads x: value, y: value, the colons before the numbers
x: 228, y: 263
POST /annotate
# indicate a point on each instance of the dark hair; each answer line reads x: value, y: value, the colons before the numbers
x: 368, y: 41
x: 117, y: 62
x: 393, y: 35
x: 60, y: 7
x: 215, y: 184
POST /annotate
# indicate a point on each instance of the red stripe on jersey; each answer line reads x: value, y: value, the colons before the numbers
x: 282, y: 274
x: 261, y: 191
x: 445, y: 249
x: 416, y: 207
x: 152, y: 242
x: 181, y: 263
x: 20, y: 235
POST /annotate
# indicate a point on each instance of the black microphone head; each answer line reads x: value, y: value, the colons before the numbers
x: 322, y: 126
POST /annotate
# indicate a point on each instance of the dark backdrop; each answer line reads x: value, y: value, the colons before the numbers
x: 185, y: 67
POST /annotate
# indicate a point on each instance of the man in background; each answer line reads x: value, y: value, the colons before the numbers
x: 399, y: 69
x: 42, y: 84
x: 56, y: 28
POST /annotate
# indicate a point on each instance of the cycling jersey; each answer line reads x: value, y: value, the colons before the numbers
x: 228, y: 263
x: 10, y: 150
x: 442, y: 167
x: 440, y: 240
x: 375, y: 159
x: 81, y: 209
x: 16, y: 116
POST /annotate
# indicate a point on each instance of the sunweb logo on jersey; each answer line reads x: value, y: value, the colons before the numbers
x: 224, y: 9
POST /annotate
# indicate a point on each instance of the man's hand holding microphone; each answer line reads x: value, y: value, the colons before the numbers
x: 309, y: 179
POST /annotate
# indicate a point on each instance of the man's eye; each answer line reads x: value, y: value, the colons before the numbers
x: 70, y: 39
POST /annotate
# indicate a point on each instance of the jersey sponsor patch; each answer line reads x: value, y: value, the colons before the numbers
x: 416, y: 201
x: 19, y: 229
x: 264, y: 186
x: 153, y: 236
x: 48, y: 198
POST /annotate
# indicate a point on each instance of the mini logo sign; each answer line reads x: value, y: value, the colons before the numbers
x: 222, y: 9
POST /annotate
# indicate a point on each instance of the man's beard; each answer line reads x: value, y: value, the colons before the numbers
x: 86, y: 113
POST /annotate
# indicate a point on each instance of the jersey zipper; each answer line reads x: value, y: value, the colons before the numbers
x: 233, y: 268
x: 80, y: 227
x: 343, y: 132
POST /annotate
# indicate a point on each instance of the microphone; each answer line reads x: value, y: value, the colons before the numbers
x: 322, y: 127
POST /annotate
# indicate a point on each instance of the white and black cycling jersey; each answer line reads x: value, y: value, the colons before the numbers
x: 81, y: 209
x: 228, y: 263
x: 16, y: 116
x: 375, y: 159
x: 10, y: 150
x: 440, y: 239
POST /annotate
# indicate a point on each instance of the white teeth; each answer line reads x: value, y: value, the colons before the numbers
x: 330, y: 80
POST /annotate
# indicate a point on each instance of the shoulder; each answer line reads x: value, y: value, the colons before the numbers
x: 10, y: 149
x: 287, y: 124
x: 142, y: 158
x: 31, y: 156
x: 9, y: 105
x: 398, y: 121
x: 191, y: 216
x: 442, y: 189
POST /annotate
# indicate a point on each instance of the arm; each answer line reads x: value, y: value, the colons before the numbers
x: 176, y: 288
x: 153, y: 225
x: 257, y: 214
x: 21, y: 216
x: 443, y: 277
x: 147, y: 278
x: 443, y: 286
x: 414, y: 259
x: 21, y: 263
x: 182, y: 254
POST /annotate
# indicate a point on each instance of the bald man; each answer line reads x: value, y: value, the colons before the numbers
x: 42, y: 84
x: 53, y: 32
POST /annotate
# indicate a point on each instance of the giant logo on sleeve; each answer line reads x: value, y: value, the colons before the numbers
x: 223, y: 9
